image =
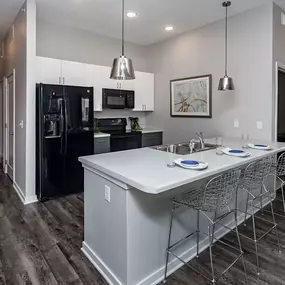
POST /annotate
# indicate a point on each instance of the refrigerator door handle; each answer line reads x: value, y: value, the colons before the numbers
x: 62, y: 126
x: 66, y: 128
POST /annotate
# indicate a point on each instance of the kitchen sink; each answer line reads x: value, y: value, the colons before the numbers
x: 184, y: 148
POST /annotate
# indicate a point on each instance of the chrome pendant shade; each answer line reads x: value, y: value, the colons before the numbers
x: 122, y: 68
x: 226, y: 83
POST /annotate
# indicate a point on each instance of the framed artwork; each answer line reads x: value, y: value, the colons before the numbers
x: 191, y: 97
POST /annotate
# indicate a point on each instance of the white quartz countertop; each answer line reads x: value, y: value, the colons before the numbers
x: 146, y: 169
x: 146, y: 130
x: 101, y: 135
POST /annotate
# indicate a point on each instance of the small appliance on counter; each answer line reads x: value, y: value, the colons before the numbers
x: 120, y: 139
x: 118, y: 99
x: 64, y: 132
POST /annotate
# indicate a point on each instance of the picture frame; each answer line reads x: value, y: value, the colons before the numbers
x: 191, y: 97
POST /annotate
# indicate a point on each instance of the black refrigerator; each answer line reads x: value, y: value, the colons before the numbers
x: 64, y: 132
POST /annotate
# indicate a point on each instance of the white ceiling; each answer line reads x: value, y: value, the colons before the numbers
x: 103, y: 16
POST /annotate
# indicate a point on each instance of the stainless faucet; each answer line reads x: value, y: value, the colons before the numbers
x: 201, y: 138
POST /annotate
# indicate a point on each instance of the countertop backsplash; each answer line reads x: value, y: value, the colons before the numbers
x: 113, y: 113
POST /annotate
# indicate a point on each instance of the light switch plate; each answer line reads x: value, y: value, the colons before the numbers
x: 259, y: 125
x: 236, y: 123
x: 107, y: 194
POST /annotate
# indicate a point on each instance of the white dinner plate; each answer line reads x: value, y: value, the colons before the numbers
x: 259, y: 146
x: 236, y: 152
x: 191, y: 164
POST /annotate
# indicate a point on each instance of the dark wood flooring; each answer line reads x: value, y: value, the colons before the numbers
x: 40, y: 244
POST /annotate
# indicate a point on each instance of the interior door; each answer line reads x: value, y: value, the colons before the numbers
x: 10, y: 125
x: 2, y: 126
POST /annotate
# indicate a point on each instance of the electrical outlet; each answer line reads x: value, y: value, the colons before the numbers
x: 236, y: 123
x: 107, y: 194
x: 259, y: 125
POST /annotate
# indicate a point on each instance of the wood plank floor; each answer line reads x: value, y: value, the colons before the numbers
x: 40, y: 244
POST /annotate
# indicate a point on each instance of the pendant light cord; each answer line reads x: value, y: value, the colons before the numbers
x: 226, y: 42
x: 123, y: 27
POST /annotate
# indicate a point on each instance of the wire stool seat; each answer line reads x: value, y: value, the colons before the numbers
x: 252, y: 182
x: 216, y: 196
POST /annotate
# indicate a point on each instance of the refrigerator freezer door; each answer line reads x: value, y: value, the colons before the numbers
x: 49, y: 143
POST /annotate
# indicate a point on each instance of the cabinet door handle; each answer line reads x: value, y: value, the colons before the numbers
x: 145, y: 107
x: 101, y: 141
x: 59, y: 80
x: 63, y: 79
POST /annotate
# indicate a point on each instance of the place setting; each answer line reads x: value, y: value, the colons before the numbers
x: 191, y: 164
x: 243, y: 152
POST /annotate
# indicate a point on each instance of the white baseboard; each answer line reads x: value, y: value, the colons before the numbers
x: 158, y: 276
x: 19, y: 192
x: 105, y: 271
x: 31, y: 199
x: 25, y: 200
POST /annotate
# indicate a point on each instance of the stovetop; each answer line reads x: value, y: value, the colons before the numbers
x: 116, y: 127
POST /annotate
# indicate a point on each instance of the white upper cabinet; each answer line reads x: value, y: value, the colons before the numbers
x: 105, y: 81
x: 144, y: 91
x: 78, y: 74
x: 127, y: 84
x: 48, y: 70
x: 55, y: 71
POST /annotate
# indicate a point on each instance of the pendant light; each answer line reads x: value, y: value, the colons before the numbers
x: 122, y: 68
x: 226, y: 83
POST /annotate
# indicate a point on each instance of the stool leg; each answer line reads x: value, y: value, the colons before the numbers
x: 261, y: 202
x: 198, y: 232
x: 282, y: 192
x: 255, y: 239
x: 276, y: 230
x: 211, y: 254
x: 246, y: 209
x: 240, y: 247
x: 168, y: 245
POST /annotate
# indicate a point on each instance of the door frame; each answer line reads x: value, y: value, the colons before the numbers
x: 6, y: 116
x: 278, y: 67
x: 5, y: 133
x: 2, y: 80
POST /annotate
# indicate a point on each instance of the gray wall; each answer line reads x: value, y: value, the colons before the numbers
x: 15, y: 58
x: 19, y: 55
x: 67, y: 43
x: 202, y: 52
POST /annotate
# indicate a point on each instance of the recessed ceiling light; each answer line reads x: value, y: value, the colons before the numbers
x: 169, y: 28
x: 132, y: 14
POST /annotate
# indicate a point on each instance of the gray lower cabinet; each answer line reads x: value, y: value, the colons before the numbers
x: 101, y: 145
x: 151, y: 139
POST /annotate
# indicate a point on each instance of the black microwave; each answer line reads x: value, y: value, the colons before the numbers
x: 118, y: 99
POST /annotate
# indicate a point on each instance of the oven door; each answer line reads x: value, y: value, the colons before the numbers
x: 114, y: 99
x: 125, y: 142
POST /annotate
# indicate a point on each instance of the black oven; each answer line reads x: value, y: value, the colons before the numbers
x: 118, y: 99
x: 120, y: 138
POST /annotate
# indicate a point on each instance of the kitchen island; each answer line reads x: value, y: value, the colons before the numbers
x: 127, y: 209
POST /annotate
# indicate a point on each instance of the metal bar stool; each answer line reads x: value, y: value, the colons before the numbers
x: 279, y: 173
x: 215, y: 197
x: 252, y: 183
